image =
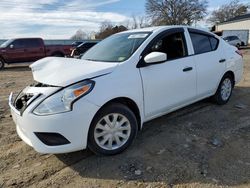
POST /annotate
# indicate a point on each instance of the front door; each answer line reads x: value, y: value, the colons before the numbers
x: 170, y: 84
x: 16, y: 51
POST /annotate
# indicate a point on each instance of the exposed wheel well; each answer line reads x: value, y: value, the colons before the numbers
x: 58, y: 54
x: 1, y: 58
x: 2, y: 62
x: 231, y: 74
x: 130, y: 104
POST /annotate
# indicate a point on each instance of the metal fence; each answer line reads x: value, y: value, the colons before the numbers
x: 56, y: 41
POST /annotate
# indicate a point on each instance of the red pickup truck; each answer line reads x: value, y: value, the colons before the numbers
x: 29, y: 50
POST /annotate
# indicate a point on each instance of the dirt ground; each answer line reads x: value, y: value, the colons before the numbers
x: 203, y: 145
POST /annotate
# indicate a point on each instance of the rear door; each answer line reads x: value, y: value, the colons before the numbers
x: 34, y: 49
x: 169, y: 84
x: 210, y: 61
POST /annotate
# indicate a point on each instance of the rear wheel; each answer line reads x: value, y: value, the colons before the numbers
x: 2, y: 63
x: 238, y: 45
x: 112, y: 130
x: 224, y: 90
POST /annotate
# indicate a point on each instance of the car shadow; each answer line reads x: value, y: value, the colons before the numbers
x: 17, y: 68
x: 201, y: 144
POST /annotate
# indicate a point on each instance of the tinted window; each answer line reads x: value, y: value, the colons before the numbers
x: 19, y: 43
x: 201, y: 43
x: 214, y: 42
x: 235, y: 38
x: 32, y: 43
x: 173, y: 45
x: 89, y: 45
x: 26, y: 43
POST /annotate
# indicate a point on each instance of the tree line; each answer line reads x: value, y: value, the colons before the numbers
x: 171, y: 12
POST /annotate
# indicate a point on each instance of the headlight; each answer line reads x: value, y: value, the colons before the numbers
x: 63, y: 100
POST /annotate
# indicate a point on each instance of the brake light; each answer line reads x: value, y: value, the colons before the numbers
x: 239, y: 52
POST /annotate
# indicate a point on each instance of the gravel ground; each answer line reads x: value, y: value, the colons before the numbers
x: 202, y: 145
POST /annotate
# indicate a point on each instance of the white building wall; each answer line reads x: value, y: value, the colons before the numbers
x: 238, y: 25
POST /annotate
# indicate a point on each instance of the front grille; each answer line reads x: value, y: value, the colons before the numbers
x: 38, y: 84
x: 21, y: 102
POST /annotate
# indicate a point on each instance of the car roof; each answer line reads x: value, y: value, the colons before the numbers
x: 27, y: 38
x: 160, y: 28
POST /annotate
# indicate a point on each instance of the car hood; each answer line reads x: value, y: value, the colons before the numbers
x: 62, y: 72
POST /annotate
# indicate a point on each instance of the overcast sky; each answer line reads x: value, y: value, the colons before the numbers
x: 59, y: 19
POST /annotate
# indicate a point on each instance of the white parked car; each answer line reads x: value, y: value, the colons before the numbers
x: 234, y: 40
x: 103, y: 99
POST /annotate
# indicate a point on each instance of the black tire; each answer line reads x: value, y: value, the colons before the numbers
x: 242, y: 44
x: 218, y: 97
x: 2, y: 63
x: 109, y: 109
x: 238, y: 45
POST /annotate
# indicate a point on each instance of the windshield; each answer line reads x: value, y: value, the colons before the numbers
x: 6, y: 43
x: 116, y: 48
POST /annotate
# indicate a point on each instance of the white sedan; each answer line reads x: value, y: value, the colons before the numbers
x: 102, y: 100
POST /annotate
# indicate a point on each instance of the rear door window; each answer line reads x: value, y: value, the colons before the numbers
x: 33, y: 43
x: 214, y: 42
x: 203, y: 43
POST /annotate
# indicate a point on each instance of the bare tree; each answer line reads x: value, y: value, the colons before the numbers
x: 138, y: 22
x: 106, y: 25
x: 175, y: 12
x: 228, y: 11
x: 107, y: 29
x: 79, y: 35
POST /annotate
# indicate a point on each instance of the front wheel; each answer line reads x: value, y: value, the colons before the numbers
x: 224, y: 90
x: 1, y: 64
x: 112, y: 130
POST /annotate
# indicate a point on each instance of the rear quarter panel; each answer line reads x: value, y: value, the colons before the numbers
x: 234, y: 62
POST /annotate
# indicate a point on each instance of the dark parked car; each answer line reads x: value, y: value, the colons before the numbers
x: 76, y: 43
x: 29, y: 50
x: 82, y: 48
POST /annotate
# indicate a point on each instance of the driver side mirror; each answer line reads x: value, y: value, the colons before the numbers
x: 11, y: 46
x: 155, y: 57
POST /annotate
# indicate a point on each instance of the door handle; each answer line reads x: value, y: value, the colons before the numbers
x: 187, y: 69
x: 222, y: 60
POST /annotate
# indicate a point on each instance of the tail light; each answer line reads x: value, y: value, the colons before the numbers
x: 239, y: 52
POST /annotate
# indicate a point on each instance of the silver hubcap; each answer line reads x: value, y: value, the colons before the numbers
x: 112, y: 131
x: 226, y: 89
x: 1, y: 63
